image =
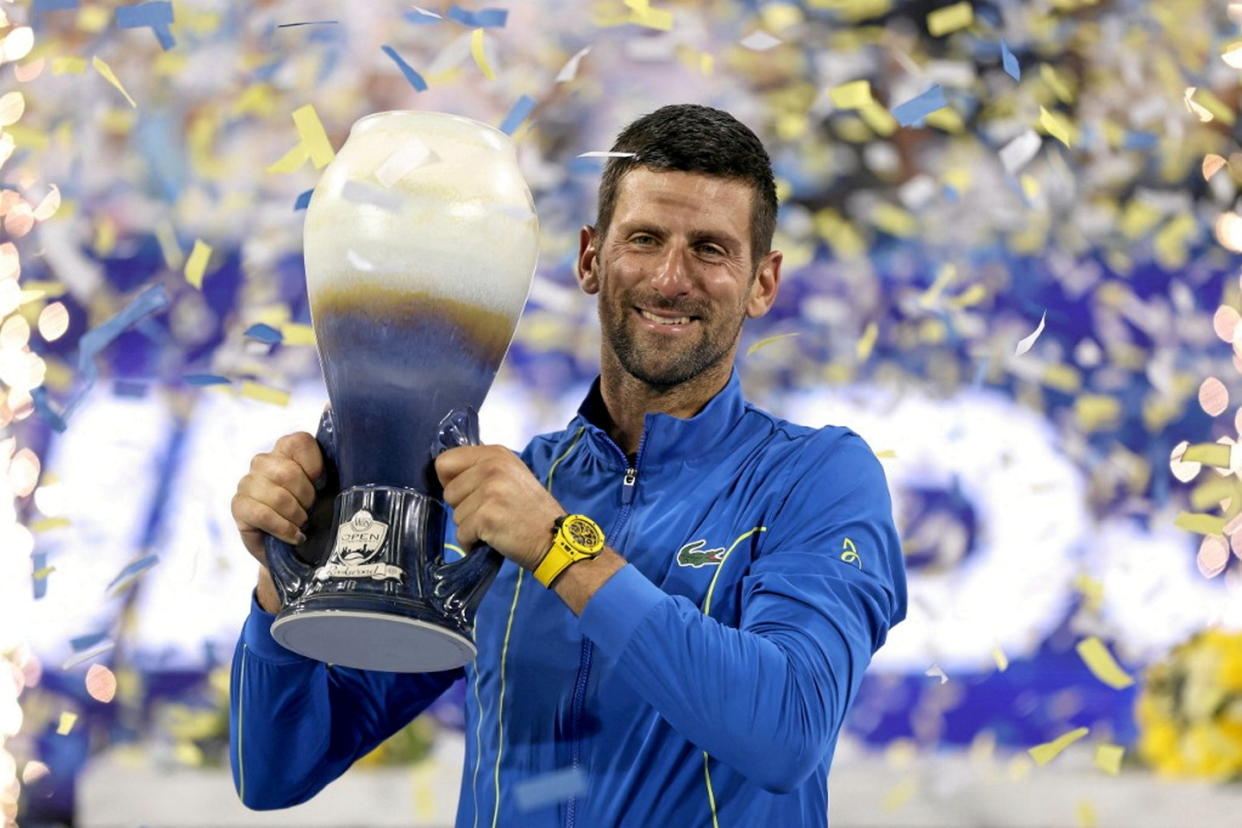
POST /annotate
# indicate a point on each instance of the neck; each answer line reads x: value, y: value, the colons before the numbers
x: 628, y: 399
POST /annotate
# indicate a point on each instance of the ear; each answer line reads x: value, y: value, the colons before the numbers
x: 586, y: 270
x: 763, y: 288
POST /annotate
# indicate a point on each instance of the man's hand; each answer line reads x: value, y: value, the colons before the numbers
x: 497, y: 500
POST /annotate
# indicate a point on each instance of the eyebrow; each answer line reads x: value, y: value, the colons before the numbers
x: 723, y: 239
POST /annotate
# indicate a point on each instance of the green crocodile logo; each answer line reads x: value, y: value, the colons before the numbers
x: 693, y: 554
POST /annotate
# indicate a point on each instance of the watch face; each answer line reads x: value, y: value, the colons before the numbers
x: 583, y: 532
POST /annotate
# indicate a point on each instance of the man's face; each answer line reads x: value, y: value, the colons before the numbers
x: 678, y: 248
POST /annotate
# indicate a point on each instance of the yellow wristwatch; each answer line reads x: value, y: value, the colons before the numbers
x: 578, y: 538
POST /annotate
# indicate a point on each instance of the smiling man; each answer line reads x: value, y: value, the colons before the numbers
x: 693, y: 586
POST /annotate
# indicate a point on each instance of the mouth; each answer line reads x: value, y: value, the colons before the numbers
x: 664, y: 323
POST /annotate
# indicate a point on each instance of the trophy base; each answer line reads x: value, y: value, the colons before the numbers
x: 373, y: 640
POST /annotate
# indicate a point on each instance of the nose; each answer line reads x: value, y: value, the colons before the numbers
x: 672, y: 277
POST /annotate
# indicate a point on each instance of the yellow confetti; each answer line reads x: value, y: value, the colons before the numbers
x: 68, y: 65
x: 766, y: 341
x: 1200, y: 524
x: 40, y: 574
x: 105, y: 236
x: 900, y: 794
x: 950, y: 19
x: 293, y: 333
x: 1045, y: 753
x: 886, y: 453
x: 971, y: 296
x: 1102, y: 664
x: 1002, y: 661
x: 1092, y: 591
x: 642, y: 14
x: 1054, y: 125
x: 104, y: 69
x: 167, y: 237
x: 291, y: 160
x: 879, y: 119
x: 1085, y: 812
x: 48, y: 524
x: 1095, y: 411
x: 311, y: 131
x: 867, y: 341
x: 1212, y: 454
x: 1203, y: 99
x: 1108, y: 758
x: 852, y: 95
x: 480, y: 57
x: 1056, y: 82
x: 197, y: 263
x: 67, y: 721
x: 893, y: 220
x: 264, y: 393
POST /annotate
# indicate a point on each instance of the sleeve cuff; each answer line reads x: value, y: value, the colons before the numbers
x: 616, y: 609
x: 257, y: 635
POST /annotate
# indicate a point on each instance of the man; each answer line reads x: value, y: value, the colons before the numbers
x: 696, y: 669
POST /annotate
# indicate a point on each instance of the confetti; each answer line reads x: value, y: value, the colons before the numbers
x: 916, y: 109
x: 206, y: 379
x: 481, y: 19
x: 34, y: 770
x: 66, y: 723
x: 415, y: 80
x: 1212, y: 454
x: 1108, y: 758
x: 1200, y: 524
x: 303, y: 200
x: 606, y: 154
x: 48, y: 524
x: 1002, y: 661
x: 1181, y: 469
x: 196, y: 265
x: 766, y: 341
x: 295, y: 334
x: 479, y: 54
x: 12, y: 106
x: 41, y: 574
x: 517, y: 114
x: 759, y: 41
x: 1026, y: 342
x: 549, y: 788
x: 263, y: 333
x: 950, y: 19
x: 936, y: 672
x: 1213, y: 397
x: 1085, y: 812
x: 412, y: 155
x: 1054, y: 125
x: 1195, y: 108
x: 1228, y: 230
x: 100, y: 683
x: 1213, y: 555
x: 104, y: 69
x: 1225, y: 322
x: 157, y: 15
x: 852, y: 95
x: 308, y: 23
x: 642, y: 14
x: 570, y: 70
x: 314, y: 139
x: 68, y: 65
x: 17, y: 44
x: 421, y: 16
x: 1102, y: 664
x: 132, y: 571
x: 1045, y: 753
x: 866, y: 342
x: 360, y: 192
x: 1019, y: 151
x: 291, y: 160
x: 1009, y: 62
x: 1212, y: 164
x: 264, y: 393
x: 87, y: 655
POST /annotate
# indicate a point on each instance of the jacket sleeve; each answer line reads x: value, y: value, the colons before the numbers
x: 768, y: 697
x: 296, y: 724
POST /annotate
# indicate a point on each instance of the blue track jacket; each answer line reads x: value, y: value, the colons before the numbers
x: 705, y: 682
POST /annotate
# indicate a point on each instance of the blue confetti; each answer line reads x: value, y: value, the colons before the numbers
x: 263, y: 333
x: 206, y: 379
x: 415, y: 79
x: 519, y: 113
x: 1010, y: 62
x: 981, y: 371
x: 422, y: 17
x: 157, y: 15
x: 147, y: 302
x: 308, y: 23
x: 41, y: 6
x: 303, y: 201
x: 45, y: 412
x: 85, y: 642
x: 481, y: 19
x: 916, y: 109
x: 1140, y: 141
x: 133, y: 569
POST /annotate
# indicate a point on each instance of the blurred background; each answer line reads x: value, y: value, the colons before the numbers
x: 1010, y: 264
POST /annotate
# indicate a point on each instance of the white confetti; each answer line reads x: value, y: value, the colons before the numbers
x: 570, y: 70
x: 603, y: 154
x: 1027, y: 341
x: 936, y: 672
x: 760, y: 41
x: 1017, y: 153
x: 403, y: 162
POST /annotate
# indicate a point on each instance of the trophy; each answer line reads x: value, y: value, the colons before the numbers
x: 420, y: 244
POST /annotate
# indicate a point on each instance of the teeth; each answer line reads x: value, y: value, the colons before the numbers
x: 681, y: 320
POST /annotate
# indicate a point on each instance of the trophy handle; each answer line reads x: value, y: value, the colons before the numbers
x: 290, y: 570
x: 461, y: 584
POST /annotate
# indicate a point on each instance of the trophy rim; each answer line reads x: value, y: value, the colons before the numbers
x: 465, y: 644
x: 508, y: 138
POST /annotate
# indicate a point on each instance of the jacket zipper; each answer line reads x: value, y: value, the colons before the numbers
x: 584, y: 666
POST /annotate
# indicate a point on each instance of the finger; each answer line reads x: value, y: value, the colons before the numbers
x: 250, y: 514
x: 287, y: 474
x: 275, y: 497
x: 301, y: 447
x: 452, y: 462
x: 462, y: 486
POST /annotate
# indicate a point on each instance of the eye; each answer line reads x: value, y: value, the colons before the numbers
x: 711, y: 249
x: 642, y: 238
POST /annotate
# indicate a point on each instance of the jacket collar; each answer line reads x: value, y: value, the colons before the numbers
x: 667, y: 439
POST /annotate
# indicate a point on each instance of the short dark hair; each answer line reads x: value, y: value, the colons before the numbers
x: 695, y: 138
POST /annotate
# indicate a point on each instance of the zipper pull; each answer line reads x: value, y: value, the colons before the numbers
x: 627, y: 486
